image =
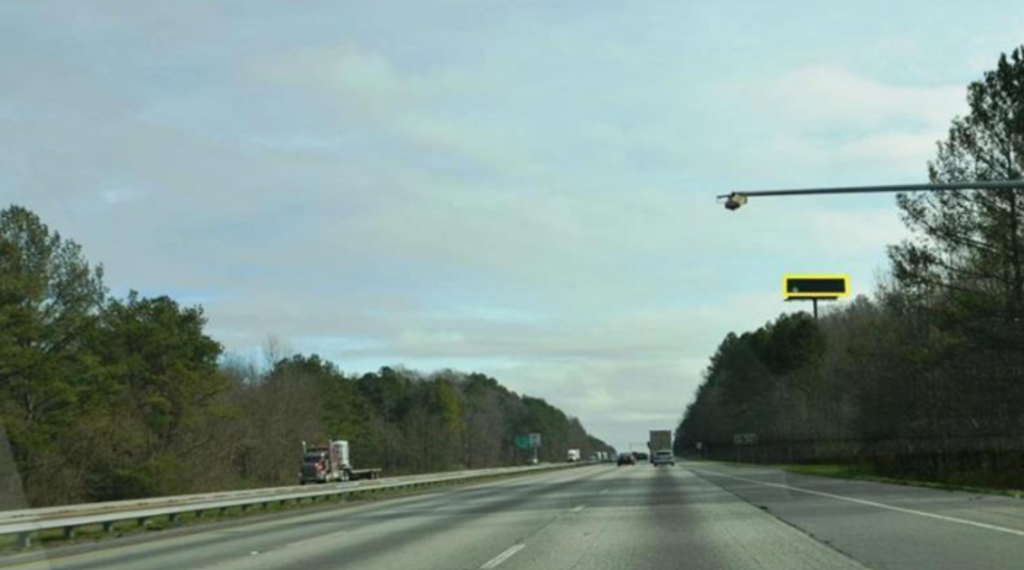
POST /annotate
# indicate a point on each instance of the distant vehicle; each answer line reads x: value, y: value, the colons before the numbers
x: 663, y: 457
x: 572, y: 456
x: 533, y: 461
x: 330, y: 464
x: 659, y: 440
x: 626, y: 459
x: 641, y: 456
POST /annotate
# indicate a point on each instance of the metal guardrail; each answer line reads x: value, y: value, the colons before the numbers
x: 25, y: 523
x: 88, y: 508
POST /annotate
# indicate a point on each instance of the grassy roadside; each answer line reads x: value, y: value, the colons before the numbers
x: 862, y: 473
x: 55, y: 538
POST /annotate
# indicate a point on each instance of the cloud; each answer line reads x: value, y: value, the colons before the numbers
x: 826, y: 125
x: 363, y: 82
x: 831, y: 98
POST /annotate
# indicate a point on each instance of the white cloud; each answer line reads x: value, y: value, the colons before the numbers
x: 897, y: 148
x: 832, y: 98
x: 361, y: 81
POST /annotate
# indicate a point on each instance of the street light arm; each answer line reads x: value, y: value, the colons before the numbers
x: 977, y: 185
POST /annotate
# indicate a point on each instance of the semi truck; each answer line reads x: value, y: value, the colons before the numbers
x: 572, y: 456
x: 329, y: 464
x: 660, y: 440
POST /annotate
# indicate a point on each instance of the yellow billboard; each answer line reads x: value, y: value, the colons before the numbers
x: 818, y: 286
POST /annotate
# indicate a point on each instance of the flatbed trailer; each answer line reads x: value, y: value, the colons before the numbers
x: 358, y: 474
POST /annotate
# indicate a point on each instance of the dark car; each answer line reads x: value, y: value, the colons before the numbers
x: 626, y: 459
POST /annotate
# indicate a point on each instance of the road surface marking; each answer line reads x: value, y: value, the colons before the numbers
x: 603, y: 492
x: 904, y: 510
x: 579, y: 508
x: 494, y: 562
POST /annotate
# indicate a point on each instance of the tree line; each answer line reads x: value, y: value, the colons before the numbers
x: 925, y: 378
x: 105, y: 398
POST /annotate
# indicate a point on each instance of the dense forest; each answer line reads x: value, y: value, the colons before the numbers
x: 104, y: 398
x: 926, y: 378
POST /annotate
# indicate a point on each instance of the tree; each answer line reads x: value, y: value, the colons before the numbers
x: 485, y: 421
x: 49, y: 300
x: 161, y: 383
x: 964, y: 268
x: 389, y: 394
x: 967, y: 249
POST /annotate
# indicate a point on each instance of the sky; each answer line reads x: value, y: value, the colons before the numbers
x: 525, y: 189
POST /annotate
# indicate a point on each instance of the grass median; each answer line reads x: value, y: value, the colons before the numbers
x: 865, y: 473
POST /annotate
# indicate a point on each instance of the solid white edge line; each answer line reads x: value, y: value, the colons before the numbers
x: 578, y: 508
x: 494, y: 562
x: 903, y: 510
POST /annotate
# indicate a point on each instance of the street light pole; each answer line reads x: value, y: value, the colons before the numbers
x: 734, y: 200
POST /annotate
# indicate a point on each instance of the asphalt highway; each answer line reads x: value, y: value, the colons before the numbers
x: 693, y: 516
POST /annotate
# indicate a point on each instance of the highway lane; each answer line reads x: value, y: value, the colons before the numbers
x: 658, y: 518
x: 698, y: 515
x: 591, y: 517
x: 883, y: 525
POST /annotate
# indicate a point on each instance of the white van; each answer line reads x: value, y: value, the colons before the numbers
x: 663, y: 457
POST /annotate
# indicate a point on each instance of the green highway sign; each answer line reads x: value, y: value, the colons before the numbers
x: 523, y: 441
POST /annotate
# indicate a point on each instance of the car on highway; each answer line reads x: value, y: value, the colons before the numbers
x: 663, y: 458
x: 626, y: 459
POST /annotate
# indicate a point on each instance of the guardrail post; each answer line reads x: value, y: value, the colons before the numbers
x: 25, y: 540
x: 142, y: 522
x: 174, y: 519
x: 69, y: 532
x: 108, y: 526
